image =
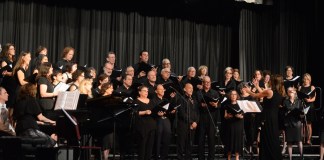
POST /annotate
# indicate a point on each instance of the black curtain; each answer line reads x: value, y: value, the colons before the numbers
x: 94, y: 32
x: 245, y: 36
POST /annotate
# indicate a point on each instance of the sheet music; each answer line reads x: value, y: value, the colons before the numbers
x: 306, y: 109
x: 248, y: 106
x: 224, y: 99
x: 61, y: 87
x: 67, y: 100
x: 166, y: 106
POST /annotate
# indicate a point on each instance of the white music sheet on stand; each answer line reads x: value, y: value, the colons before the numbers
x: 248, y: 106
x: 67, y: 100
x: 61, y: 87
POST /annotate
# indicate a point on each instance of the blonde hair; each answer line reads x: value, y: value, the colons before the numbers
x: 308, y: 76
x: 201, y: 68
x: 228, y: 69
x: 83, y: 89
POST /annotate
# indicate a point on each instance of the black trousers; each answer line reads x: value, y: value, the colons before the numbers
x: 206, y: 128
x: 184, y: 140
x: 145, y: 145
x: 163, y: 137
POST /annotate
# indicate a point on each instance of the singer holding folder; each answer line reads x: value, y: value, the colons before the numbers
x: 234, y: 128
x: 208, y: 110
x: 163, y: 133
x: 307, y: 87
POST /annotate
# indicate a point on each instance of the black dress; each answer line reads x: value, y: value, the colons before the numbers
x: 145, y: 126
x: 292, y: 120
x: 269, y: 135
x: 10, y: 84
x: 234, y: 132
x: 310, y: 116
x: 46, y: 103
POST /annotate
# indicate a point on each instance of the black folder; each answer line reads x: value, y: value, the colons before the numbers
x: 6, y: 68
x: 159, y: 107
x: 293, y: 82
x: 302, y: 95
x: 211, y: 99
x: 145, y: 67
x: 234, y: 111
x: 82, y: 68
x: 175, y: 78
x: 216, y: 86
x: 116, y: 73
x: 170, y: 88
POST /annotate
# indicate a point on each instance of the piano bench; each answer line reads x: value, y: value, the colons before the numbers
x: 18, y: 148
x: 79, y: 152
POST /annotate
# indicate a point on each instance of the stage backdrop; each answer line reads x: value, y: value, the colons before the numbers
x: 241, y: 35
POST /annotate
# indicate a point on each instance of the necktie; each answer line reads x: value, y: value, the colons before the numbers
x: 4, y: 115
x: 191, y: 100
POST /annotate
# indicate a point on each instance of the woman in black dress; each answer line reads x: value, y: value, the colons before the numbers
x: 307, y: 87
x: 28, y: 115
x: 293, y: 110
x: 45, y: 90
x: 272, y: 100
x: 145, y: 124
x: 234, y: 127
x: 8, y: 61
x: 20, y: 70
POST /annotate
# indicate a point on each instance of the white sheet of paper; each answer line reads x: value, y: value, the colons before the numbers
x: 61, y: 87
x: 166, y: 106
x: 248, y: 106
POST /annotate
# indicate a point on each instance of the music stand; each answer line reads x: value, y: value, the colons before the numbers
x: 108, y: 109
x: 248, y: 106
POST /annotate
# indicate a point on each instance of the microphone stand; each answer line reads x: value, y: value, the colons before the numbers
x: 320, y: 92
x: 305, y: 118
x: 210, y: 116
x: 188, y: 117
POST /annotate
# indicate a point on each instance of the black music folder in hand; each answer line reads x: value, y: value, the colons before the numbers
x: 145, y: 67
x: 211, y: 99
x: 161, y: 107
x: 216, y: 86
x: 234, y: 111
x: 292, y: 82
x: 6, y: 68
x: 116, y: 73
x: 302, y: 95
x: 171, y: 87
